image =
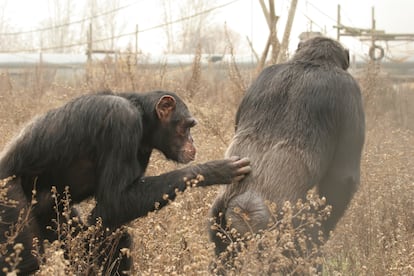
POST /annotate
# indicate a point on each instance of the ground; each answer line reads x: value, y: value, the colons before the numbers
x: 375, y: 237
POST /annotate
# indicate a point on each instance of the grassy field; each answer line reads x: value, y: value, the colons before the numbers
x: 375, y: 237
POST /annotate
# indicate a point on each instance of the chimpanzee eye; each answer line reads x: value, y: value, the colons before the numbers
x: 183, y: 128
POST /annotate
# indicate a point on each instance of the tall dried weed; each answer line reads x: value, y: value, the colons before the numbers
x: 375, y: 237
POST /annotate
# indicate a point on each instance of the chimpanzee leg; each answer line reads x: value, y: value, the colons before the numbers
x: 339, y: 186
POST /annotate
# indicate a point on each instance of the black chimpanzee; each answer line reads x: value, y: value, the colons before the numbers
x: 302, y: 125
x: 99, y: 146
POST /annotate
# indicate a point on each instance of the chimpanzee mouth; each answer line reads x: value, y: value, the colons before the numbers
x: 186, y: 157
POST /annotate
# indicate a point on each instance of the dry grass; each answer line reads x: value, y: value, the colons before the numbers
x: 375, y: 237
x: 290, y: 245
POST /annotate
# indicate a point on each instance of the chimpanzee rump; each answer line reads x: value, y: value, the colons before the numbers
x: 302, y: 125
x: 99, y: 146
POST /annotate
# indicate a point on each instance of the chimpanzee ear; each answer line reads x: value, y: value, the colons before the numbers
x: 165, y: 107
x: 346, y: 65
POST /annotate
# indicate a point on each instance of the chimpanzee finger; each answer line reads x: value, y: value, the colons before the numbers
x: 244, y: 170
x: 234, y: 158
x: 238, y: 178
x: 243, y: 166
x: 243, y: 162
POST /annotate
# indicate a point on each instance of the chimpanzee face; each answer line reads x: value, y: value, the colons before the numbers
x: 184, y: 143
x: 173, y: 138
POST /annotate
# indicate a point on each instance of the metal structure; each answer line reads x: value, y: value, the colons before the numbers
x: 376, y: 52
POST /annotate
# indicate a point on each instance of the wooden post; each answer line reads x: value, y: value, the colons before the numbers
x: 338, y: 23
x: 89, y: 54
x: 89, y: 50
x: 285, y: 42
x: 136, y: 39
x: 373, y: 27
x: 273, y: 35
x: 266, y: 13
x: 271, y: 20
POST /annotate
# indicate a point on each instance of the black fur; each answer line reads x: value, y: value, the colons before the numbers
x: 99, y: 146
x: 302, y: 125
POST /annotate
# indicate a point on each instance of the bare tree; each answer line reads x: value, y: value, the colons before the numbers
x: 3, y: 22
x: 7, y: 41
x: 216, y: 37
x: 167, y: 17
x: 59, y: 32
x: 107, y: 25
x: 196, y: 19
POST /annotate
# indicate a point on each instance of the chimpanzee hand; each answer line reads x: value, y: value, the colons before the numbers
x: 242, y: 167
x: 223, y: 171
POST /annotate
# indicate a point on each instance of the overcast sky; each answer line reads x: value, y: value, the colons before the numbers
x: 246, y: 17
x: 392, y: 16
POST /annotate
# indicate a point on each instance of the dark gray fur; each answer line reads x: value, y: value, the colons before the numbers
x: 302, y: 125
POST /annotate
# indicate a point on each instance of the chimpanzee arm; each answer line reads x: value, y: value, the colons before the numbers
x: 127, y: 198
x: 163, y: 188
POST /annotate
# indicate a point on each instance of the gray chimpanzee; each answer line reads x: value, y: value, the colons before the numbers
x: 99, y: 146
x: 302, y: 125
